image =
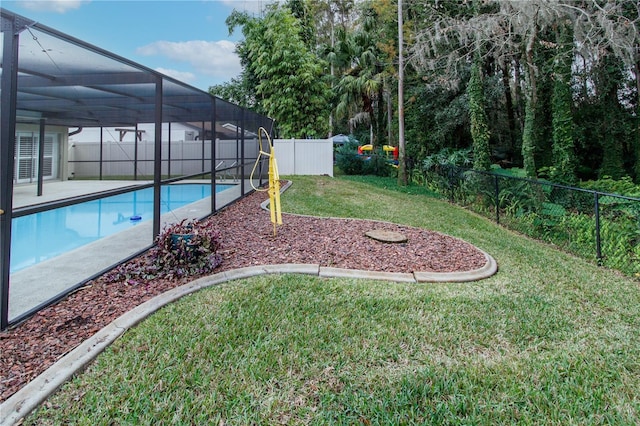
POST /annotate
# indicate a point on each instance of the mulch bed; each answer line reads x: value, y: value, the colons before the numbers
x: 247, y: 240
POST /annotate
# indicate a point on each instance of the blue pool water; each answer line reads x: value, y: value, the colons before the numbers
x: 41, y: 236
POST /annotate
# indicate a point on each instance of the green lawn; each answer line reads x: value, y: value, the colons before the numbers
x: 550, y: 339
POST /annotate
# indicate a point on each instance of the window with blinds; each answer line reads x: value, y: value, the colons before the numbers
x: 26, y: 161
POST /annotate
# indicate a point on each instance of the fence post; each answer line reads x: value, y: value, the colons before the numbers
x: 101, y: 149
x: 9, y: 88
x: 242, y: 151
x: 169, y: 152
x: 213, y: 152
x: 497, y: 192
x: 135, y: 153
x: 597, y: 216
x: 450, y: 174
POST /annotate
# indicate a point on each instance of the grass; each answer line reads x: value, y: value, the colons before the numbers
x: 550, y: 339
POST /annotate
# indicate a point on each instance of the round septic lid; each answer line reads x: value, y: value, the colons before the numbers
x: 386, y: 236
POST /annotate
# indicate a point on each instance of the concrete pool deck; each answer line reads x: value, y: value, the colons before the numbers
x: 37, y: 284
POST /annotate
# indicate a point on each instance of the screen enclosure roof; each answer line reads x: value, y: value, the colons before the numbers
x: 68, y: 82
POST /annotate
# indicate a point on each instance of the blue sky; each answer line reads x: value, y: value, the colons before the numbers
x: 187, y: 40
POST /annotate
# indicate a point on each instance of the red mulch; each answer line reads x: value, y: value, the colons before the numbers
x: 247, y: 240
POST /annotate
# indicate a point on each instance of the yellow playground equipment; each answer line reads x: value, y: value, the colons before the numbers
x: 274, y: 180
x: 390, y: 151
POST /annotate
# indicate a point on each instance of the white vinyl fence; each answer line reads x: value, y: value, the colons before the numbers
x: 294, y: 157
x: 304, y: 156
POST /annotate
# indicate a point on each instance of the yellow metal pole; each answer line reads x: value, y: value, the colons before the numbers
x: 274, y: 191
x: 274, y: 181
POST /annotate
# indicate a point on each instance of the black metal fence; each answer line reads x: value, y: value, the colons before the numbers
x: 595, y: 225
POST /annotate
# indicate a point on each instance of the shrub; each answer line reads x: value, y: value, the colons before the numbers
x: 448, y: 157
x: 348, y: 160
x: 377, y: 165
x: 182, y: 249
x: 352, y: 163
x: 443, y: 172
x: 623, y: 186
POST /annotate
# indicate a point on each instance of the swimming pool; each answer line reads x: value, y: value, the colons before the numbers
x: 41, y: 236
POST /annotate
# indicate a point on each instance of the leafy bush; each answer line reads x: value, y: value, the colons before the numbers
x: 517, y: 197
x: 348, y: 160
x: 377, y: 165
x: 511, y: 172
x: 623, y: 186
x: 448, y: 157
x: 352, y: 163
x: 619, y: 241
x: 183, y: 249
x: 441, y: 172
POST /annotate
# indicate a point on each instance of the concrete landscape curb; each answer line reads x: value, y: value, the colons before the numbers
x: 489, y: 268
x: 39, y: 389
x: 327, y: 272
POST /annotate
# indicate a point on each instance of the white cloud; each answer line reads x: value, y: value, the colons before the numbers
x: 58, y: 6
x: 211, y: 58
x: 183, y: 76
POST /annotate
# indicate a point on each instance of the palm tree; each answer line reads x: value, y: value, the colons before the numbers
x: 361, y: 87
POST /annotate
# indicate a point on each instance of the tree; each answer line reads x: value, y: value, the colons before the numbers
x: 608, y: 80
x: 541, y: 64
x: 239, y: 91
x: 637, y: 129
x: 402, y: 163
x: 563, y: 144
x: 291, y: 87
x: 520, y: 32
x: 528, y: 135
x: 477, y: 114
x: 330, y: 16
x: 479, y: 126
x: 496, y: 32
x: 300, y: 9
x: 609, y: 35
x: 361, y: 88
